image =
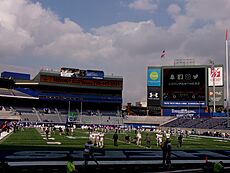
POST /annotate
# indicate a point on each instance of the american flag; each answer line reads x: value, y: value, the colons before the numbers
x: 163, y: 54
x: 212, y: 64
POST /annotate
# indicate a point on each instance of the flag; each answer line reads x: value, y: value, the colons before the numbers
x: 212, y: 64
x: 226, y: 35
x: 163, y: 54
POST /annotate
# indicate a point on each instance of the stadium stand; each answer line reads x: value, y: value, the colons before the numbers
x: 155, y: 120
x: 201, y: 123
x: 5, y: 92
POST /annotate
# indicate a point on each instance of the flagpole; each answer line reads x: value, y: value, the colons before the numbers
x: 213, y: 74
x: 214, y: 88
x: 227, y: 71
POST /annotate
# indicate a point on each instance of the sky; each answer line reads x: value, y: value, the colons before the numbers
x: 120, y: 37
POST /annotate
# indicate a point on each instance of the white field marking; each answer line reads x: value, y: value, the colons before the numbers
x: 191, y: 139
x: 71, y: 137
x: 54, y: 143
x: 49, y: 139
x: 220, y: 140
x: 78, y: 137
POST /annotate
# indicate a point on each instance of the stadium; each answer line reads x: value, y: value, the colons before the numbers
x: 187, y: 100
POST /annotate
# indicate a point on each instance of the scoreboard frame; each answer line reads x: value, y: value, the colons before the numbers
x: 191, y: 71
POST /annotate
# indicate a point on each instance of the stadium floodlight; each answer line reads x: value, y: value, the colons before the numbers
x: 213, y: 72
x: 227, y: 82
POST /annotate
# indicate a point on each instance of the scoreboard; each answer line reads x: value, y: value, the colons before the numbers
x: 173, y: 89
x: 184, y: 86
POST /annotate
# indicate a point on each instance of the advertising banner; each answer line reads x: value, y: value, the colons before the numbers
x: 94, y: 74
x: 154, y: 96
x: 154, y: 76
x: 82, y: 82
x: 216, y: 75
x: 183, y: 112
x: 219, y: 97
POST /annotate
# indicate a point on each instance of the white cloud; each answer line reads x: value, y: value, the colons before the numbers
x: 34, y: 37
x: 146, y: 5
x: 208, y: 10
x: 174, y: 10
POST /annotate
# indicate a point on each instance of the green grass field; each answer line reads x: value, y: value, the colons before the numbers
x: 32, y: 138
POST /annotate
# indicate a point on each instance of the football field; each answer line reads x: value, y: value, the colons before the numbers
x: 35, y: 138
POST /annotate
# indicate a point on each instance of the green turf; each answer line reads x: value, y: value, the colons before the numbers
x: 31, y: 138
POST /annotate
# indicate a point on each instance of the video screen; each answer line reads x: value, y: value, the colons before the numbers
x: 71, y: 72
x: 184, y: 84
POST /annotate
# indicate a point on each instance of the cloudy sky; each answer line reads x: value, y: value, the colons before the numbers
x: 121, y: 37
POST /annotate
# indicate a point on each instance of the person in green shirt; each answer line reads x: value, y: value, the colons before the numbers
x: 70, y: 165
x: 218, y: 167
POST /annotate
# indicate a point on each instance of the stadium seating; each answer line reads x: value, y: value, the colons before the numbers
x: 5, y: 91
x: 104, y: 120
x: 201, y: 123
x: 156, y: 120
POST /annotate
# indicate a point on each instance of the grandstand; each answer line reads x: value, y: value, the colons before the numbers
x: 217, y: 123
x: 88, y: 91
x: 147, y: 120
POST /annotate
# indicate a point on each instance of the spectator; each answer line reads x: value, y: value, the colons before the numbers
x: 148, y: 140
x: 70, y: 167
x: 167, y: 148
x: 47, y: 133
x: 127, y: 139
x: 67, y: 131
x: 54, y: 130
x: 218, y: 167
x: 180, y: 138
x: 115, y: 138
x: 60, y: 131
x: 89, y: 153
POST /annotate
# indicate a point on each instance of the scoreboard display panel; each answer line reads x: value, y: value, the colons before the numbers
x: 185, y: 86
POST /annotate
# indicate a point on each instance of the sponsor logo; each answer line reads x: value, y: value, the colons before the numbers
x: 154, y: 75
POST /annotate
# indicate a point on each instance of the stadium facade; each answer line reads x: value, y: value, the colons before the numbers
x: 86, y: 90
x: 185, y: 90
